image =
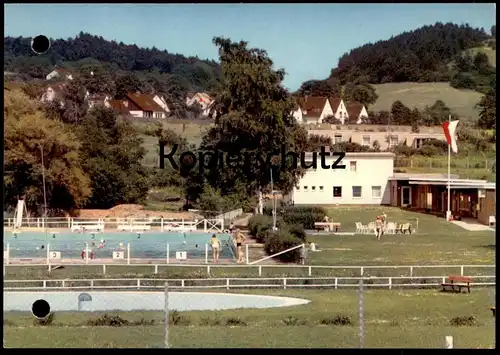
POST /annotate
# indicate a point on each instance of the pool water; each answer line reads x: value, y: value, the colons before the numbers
x: 144, y: 245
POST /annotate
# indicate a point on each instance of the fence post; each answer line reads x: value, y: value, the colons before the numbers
x: 182, y: 283
x: 411, y: 271
x: 336, y: 283
x: 461, y: 270
x: 63, y: 284
x: 48, y: 253
x: 44, y: 283
x: 86, y: 253
x: 246, y: 253
x: 260, y: 270
x: 128, y: 253
x: 206, y: 253
x: 362, y: 271
x: 205, y: 229
x: 390, y: 283
x: 227, y: 284
x: 104, y: 269
x: 284, y: 283
x: 166, y: 315
x: 309, y: 271
x: 161, y: 224
x: 156, y: 268
x: 208, y: 270
x: 361, y: 315
x: 168, y: 253
x: 138, y: 284
x: 448, y: 342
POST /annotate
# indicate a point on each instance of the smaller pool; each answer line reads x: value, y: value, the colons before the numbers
x: 145, y: 301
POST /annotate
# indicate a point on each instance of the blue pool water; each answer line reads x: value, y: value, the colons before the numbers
x: 145, y: 301
x: 143, y: 245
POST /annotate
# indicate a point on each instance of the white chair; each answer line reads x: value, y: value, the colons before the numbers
x: 359, y: 228
x: 390, y: 228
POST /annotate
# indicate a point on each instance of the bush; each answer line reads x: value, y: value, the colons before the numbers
x: 339, y: 319
x: 210, y: 321
x: 258, y: 225
x: 403, y: 149
x: 293, y: 321
x: 235, y: 321
x: 280, y: 240
x: 297, y: 231
x: 46, y: 321
x: 176, y: 318
x: 304, y: 215
x: 108, y: 321
x: 463, y: 321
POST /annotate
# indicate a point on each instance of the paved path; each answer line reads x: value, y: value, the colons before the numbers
x: 473, y: 226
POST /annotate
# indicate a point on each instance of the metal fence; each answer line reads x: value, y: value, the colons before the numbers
x: 236, y: 283
x: 408, y: 271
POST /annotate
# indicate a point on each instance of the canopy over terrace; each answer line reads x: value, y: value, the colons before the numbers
x: 429, y: 193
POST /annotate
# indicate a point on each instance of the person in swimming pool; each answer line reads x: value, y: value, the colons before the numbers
x: 239, y: 238
x: 215, y: 244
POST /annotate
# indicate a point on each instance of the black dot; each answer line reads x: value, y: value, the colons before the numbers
x: 40, y: 308
x: 40, y: 44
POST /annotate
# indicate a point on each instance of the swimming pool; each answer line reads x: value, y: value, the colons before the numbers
x: 143, y: 245
x: 145, y: 301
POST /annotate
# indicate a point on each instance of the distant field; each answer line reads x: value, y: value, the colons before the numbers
x: 420, y: 95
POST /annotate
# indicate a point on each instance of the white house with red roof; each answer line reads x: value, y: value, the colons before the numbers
x: 60, y: 73
x: 140, y: 105
x: 201, y: 98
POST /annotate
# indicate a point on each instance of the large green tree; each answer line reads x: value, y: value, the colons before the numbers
x: 29, y: 136
x: 254, y: 118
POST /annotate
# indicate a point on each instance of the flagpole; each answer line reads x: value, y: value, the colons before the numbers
x: 448, y: 212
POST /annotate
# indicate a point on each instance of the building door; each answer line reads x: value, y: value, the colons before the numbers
x: 405, y: 196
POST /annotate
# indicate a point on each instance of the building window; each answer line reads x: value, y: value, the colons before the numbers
x: 305, y: 188
x: 356, y: 191
x: 337, y: 191
x: 376, y: 191
x: 297, y: 187
x: 158, y: 115
x: 353, y: 165
x: 313, y: 188
x: 366, y: 140
x: 337, y: 138
x: 321, y: 188
x: 148, y: 114
x: 393, y: 141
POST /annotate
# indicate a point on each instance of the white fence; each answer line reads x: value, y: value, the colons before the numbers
x: 236, y: 283
x: 363, y: 271
x: 229, y: 216
x: 215, y: 225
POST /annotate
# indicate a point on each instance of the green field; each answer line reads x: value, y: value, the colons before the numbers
x: 393, y: 319
x: 420, y: 95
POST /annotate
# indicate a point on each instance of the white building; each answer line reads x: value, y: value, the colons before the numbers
x: 364, y: 181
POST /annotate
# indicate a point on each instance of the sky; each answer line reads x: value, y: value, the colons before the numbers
x: 304, y: 39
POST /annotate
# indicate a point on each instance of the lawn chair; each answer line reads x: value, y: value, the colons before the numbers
x: 360, y: 228
x: 390, y: 228
x: 405, y: 228
x: 370, y: 228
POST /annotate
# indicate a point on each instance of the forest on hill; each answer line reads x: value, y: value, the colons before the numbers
x: 422, y: 55
x: 190, y: 73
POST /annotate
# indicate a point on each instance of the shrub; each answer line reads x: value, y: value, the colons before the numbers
x: 46, y: 321
x: 304, y: 215
x: 293, y: 321
x: 235, y: 321
x: 280, y: 240
x: 403, y: 149
x: 463, y: 321
x: 176, y: 318
x: 210, y: 321
x: 339, y: 319
x: 108, y: 321
x: 297, y: 231
x: 258, y: 225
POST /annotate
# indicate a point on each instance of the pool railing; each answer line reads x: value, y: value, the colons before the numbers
x: 207, y: 225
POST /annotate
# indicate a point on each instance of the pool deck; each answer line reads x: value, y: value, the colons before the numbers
x: 136, y: 261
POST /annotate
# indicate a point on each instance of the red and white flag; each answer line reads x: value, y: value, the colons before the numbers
x: 449, y: 128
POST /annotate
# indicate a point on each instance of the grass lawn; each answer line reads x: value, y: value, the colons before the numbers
x: 393, y: 319
x: 420, y: 95
x: 435, y: 242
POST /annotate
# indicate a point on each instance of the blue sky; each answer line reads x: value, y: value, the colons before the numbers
x: 304, y: 39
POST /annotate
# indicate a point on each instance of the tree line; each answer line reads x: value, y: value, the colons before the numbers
x: 421, y: 55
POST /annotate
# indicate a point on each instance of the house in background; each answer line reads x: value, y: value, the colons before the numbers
x: 98, y: 99
x: 60, y: 73
x: 356, y: 113
x: 201, y: 98
x: 364, y: 181
x: 55, y: 91
x: 316, y: 109
x: 140, y: 105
